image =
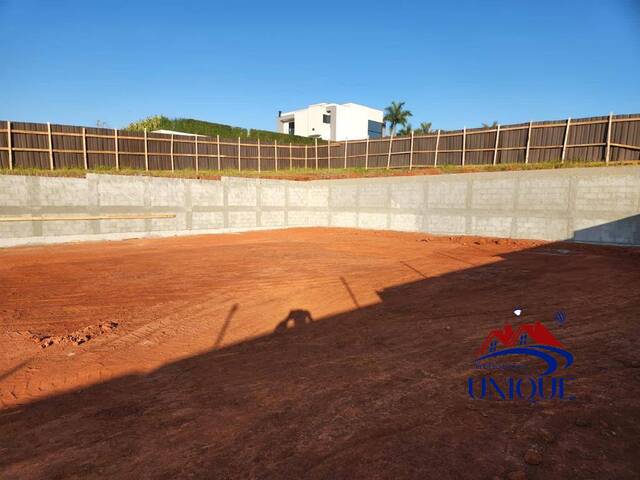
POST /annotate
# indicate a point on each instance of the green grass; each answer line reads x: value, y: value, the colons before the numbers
x: 303, y: 173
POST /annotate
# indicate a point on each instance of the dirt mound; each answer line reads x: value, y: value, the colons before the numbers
x: 77, y: 338
x: 467, y: 240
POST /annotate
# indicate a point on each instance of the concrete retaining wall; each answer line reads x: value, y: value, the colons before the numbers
x: 600, y: 205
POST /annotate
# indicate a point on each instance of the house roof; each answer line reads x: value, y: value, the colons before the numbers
x: 328, y: 104
x: 509, y: 336
x: 173, y: 132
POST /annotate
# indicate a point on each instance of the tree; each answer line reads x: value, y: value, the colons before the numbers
x: 406, y: 130
x: 493, y: 125
x: 424, y: 128
x: 395, y: 115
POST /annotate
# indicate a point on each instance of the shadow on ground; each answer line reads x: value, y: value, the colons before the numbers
x: 376, y: 392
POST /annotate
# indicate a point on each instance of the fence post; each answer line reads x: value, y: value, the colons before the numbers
x: 239, y: 161
x: 197, y: 165
x: 306, y: 155
x: 495, y: 148
x: 84, y: 148
x: 115, y: 130
x: 316, y: 153
x: 526, y: 155
x: 566, y: 138
x: 464, y: 143
x: 259, y: 156
x: 146, y: 151
x: 366, y: 155
x: 290, y: 157
x: 435, y: 159
x: 389, y: 152
x: 173, y: 166
x: 411, y: 152
x: 51, y: 166
x: 9, y: 145
x: 218, y: 141
x: 275, y: 152
x: 346, y: 145
x: 608, y: 149
x: 329, y: 154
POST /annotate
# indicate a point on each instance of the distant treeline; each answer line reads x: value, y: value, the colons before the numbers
x: 200, y: 127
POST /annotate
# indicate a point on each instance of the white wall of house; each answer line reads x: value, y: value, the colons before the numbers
x: 352, y: 121
x: 348, y: 121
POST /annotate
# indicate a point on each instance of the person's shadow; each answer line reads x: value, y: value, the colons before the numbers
x: 295, y: 319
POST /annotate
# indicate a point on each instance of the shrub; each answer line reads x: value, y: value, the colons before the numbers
x: 200, y: 127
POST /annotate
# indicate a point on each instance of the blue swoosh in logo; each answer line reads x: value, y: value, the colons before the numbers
x: 534, y: 351
x: 567, y: 356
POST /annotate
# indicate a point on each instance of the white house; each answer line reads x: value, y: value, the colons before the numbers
x: 332, y: 121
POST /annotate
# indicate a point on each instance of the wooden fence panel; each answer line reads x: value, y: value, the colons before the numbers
x: 448, y: 143
x: 356, y: 154
x: 184, y: 152
x: 625, y: 133
x: 591, y: 133
x: 131, y: 151
x: 4, y: 145
x: 512, y: 145
x: 546, y: 137
x: 477, y: 141
x: 323, y: 156
x: 159, y: 152
x: 298, y: 152
x: 400, y: 152
x: 283, y: 157
x: 267, y: 156
x: 378, y: 151
x: 228, y: 156
x: 33, y: 145
x: 424, y: 151
x: 23, y: 157
x: 337, y: 155
x: 66, y: 158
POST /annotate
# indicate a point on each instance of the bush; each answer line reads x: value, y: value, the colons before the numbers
x: 156, y: 122
x: 200, y: 127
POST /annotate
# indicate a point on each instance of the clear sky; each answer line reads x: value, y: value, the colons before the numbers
x: 238, y: 62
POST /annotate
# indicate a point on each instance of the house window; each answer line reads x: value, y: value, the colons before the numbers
x: 523, y: 339
x: 493, y: 346
x: 326, y: 118
x: 374, y: 129
x: 292, y: 128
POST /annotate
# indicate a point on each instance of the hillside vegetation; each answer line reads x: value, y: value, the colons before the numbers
x: 200, y: 127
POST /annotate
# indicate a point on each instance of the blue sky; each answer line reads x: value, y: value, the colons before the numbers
x: 454, y: 63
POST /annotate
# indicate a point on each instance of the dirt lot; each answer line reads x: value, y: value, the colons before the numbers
x: 311, y: 353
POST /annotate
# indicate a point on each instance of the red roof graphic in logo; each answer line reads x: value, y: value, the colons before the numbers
x: 525, y: 333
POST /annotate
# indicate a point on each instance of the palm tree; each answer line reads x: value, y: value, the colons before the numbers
x: 493, y: 125
x: 405, y: 131
x: 425, y: 127
x: 395, y: 115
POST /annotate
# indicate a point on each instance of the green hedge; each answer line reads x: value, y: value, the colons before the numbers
x: 200, y: 127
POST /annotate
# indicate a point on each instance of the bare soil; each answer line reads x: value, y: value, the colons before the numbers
x: 310, y: 353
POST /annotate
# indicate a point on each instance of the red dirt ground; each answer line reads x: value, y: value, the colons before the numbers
x: 311, y: 353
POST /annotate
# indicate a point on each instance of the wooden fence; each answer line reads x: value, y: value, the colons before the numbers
x: 596, y: 139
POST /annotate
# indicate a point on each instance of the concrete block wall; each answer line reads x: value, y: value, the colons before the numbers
x: 600, y: 205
